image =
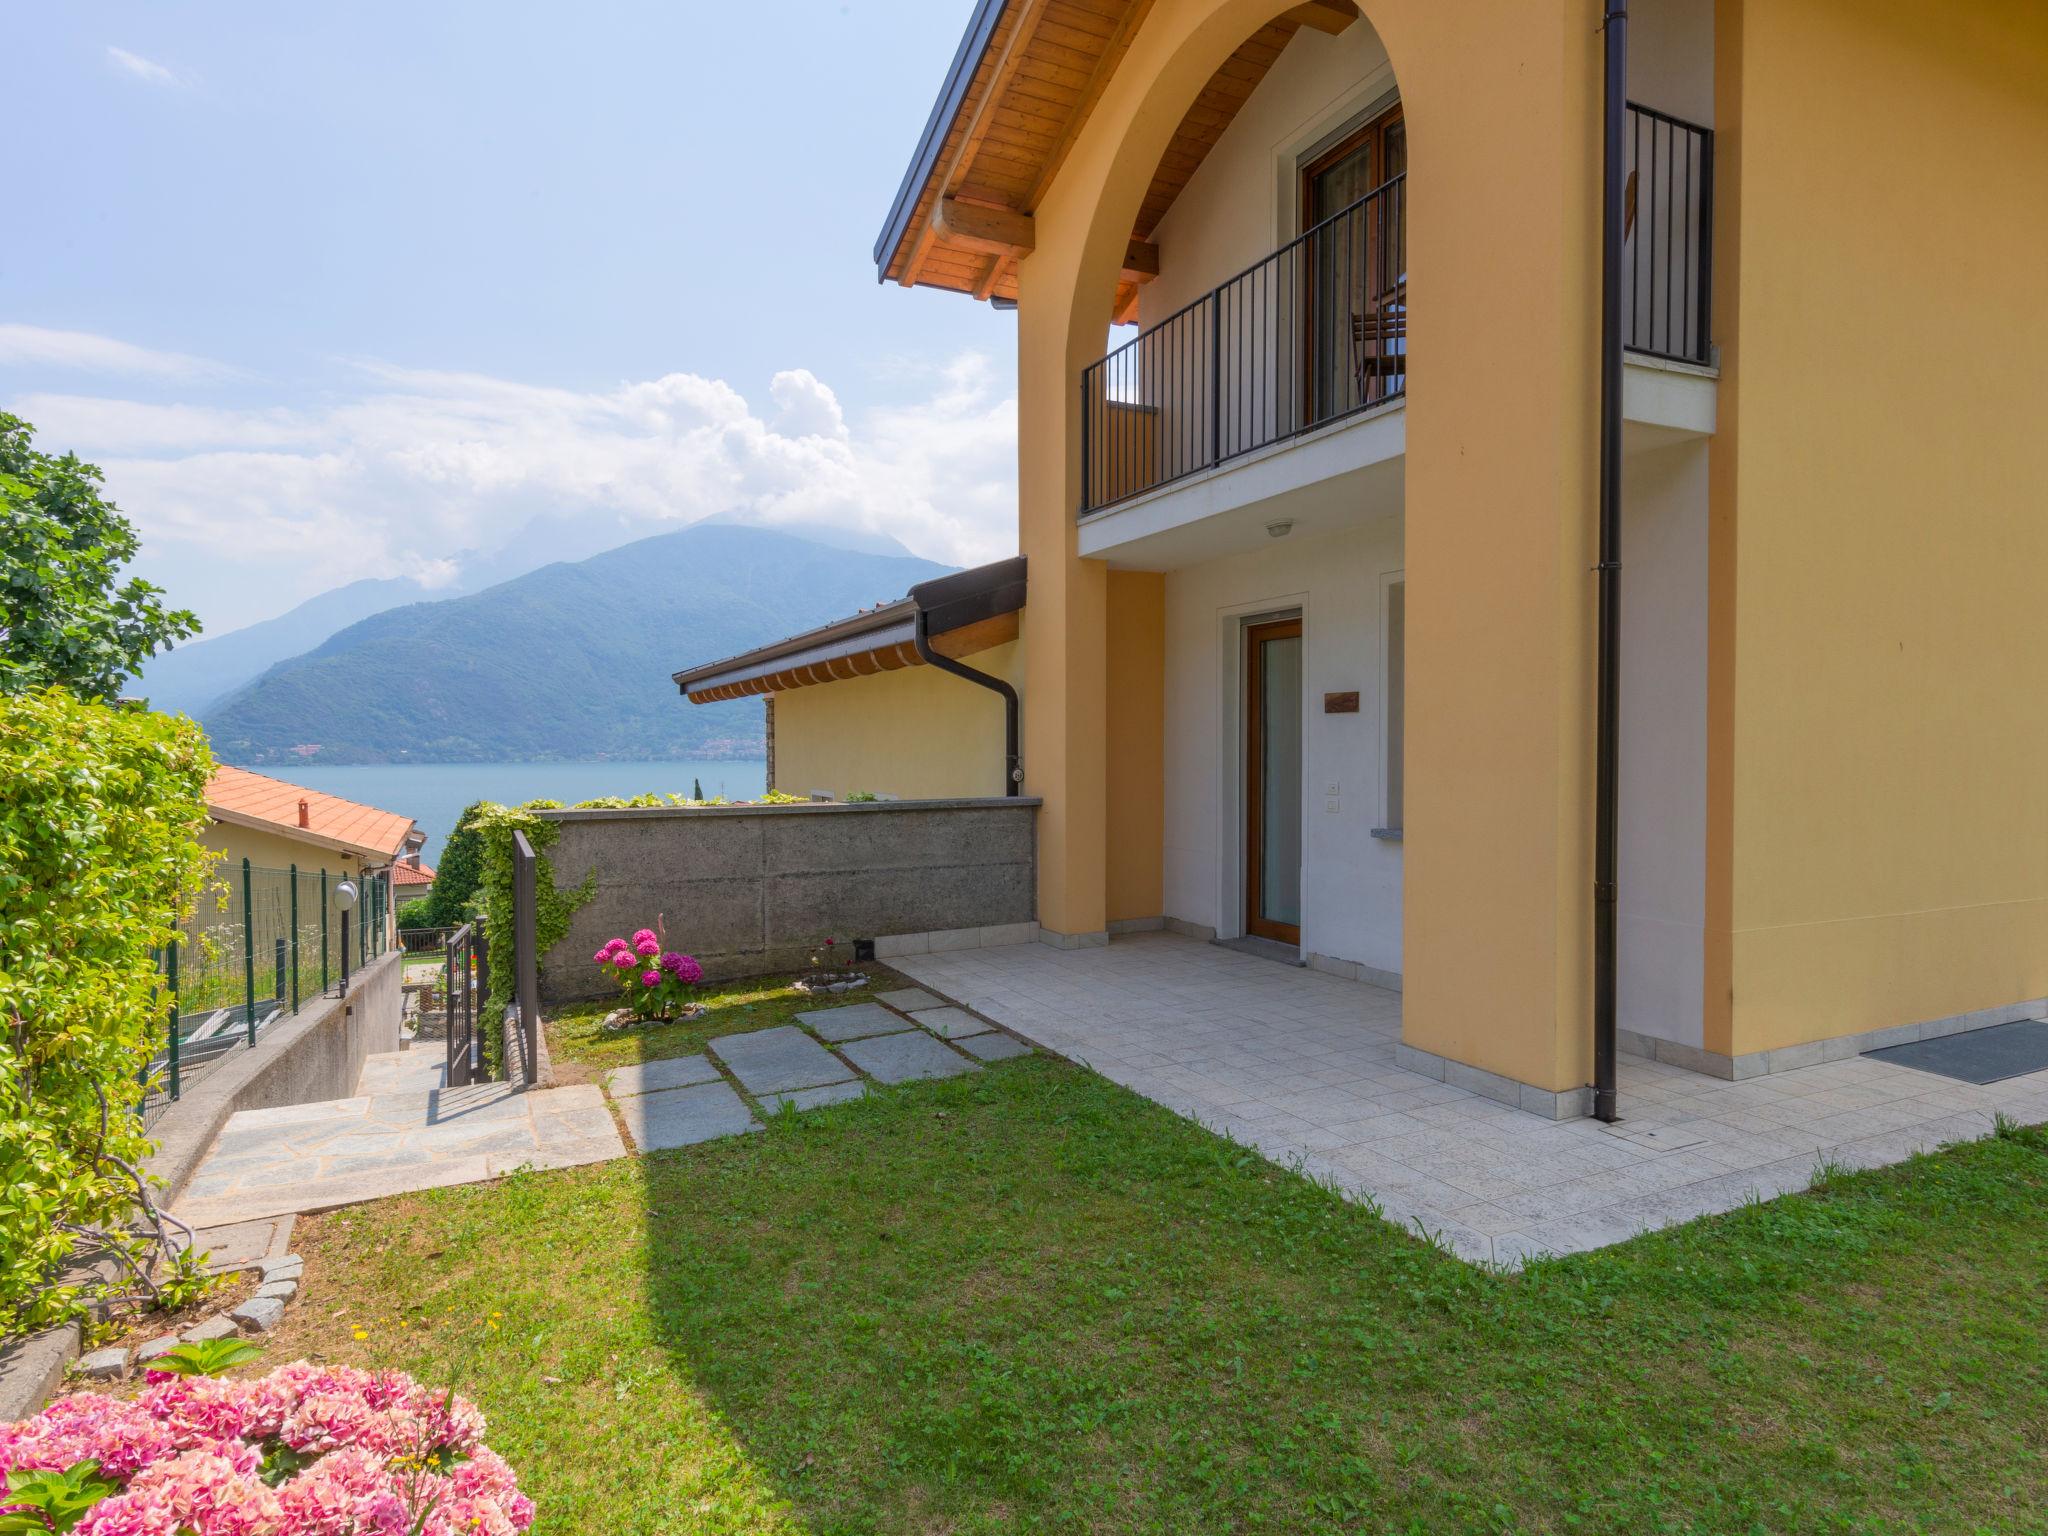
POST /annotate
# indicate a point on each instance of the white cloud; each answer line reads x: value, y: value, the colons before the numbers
x: 40, y: 346
x: 142, y: 69
x: 244, y: 512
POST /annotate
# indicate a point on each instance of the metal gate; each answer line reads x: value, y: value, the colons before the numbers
x: 468, y: 962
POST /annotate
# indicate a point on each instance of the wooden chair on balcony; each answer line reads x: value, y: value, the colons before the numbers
x: 1379, y: 347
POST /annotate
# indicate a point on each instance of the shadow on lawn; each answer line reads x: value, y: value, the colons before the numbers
x: 1029, y: 1299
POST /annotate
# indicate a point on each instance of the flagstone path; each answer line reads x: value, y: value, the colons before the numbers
x: 404, y: 1131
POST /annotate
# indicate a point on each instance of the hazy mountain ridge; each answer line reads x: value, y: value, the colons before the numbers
x: 571, y: 661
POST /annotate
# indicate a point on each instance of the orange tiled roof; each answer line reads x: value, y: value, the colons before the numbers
x: 412, y: 874
x: 255, y: 800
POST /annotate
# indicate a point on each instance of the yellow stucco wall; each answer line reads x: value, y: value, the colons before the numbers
x: 1502, y: 105
x: 1878, y: 834
x: 272, y: 850
x: 1135, y: 722
x: 916, y: 733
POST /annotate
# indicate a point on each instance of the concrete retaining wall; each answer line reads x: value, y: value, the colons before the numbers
x: 318, y: 1055
x: 752, y: 889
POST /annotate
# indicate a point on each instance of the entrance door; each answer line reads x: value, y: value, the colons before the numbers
x: 1273, y: 762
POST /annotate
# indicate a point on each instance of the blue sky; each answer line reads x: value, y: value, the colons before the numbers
x: 336, y: 291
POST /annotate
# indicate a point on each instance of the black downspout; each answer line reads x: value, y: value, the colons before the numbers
x: 1013, y: 772
x: 1607, y: 746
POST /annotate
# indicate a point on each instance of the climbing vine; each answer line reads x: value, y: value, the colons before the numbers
x: 494, y: 825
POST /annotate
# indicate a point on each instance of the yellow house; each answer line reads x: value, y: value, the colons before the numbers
x: 1451, y: 316
x: 278, y: 827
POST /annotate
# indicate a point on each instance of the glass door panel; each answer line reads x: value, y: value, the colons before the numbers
x: 1273, y: 780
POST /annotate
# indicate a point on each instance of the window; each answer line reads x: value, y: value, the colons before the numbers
x: 1394, y: 736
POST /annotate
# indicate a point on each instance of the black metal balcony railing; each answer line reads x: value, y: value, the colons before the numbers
x: 1318, y: 330
x: 1668, y: 238
x: 1314, y: 332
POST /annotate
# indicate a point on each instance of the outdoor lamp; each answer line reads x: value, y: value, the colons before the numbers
x: 344, y: 898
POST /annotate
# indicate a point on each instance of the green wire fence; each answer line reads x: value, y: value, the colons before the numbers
x: 263, y: 945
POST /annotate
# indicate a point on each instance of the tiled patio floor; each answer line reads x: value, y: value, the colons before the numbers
x: 1301, y: 1065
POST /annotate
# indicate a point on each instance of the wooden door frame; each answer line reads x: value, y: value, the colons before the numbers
x: 1254, y: 776
x: 1307, y: 217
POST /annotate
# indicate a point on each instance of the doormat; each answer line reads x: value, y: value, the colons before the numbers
x: 1988, y: 1055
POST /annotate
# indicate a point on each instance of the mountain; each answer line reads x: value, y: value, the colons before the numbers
x: 192, y: 677
x: 566, y: 662
x: 195, y: 676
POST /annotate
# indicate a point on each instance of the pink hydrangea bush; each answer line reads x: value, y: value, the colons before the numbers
x: 305, y: 1451
x: 656, y: 982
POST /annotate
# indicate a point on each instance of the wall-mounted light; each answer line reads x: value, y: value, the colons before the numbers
x: 1280, y: 527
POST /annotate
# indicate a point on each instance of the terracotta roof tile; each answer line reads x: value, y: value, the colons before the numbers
x: 236, y: 794
x: 412, y: 874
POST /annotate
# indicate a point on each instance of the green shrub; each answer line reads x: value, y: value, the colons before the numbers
x: 553, y: 908
x: 417, y: 913
x: 99, y: 859
x: 862, y: 797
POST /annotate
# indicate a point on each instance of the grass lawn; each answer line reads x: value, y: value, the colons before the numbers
x: 1030, y: 1300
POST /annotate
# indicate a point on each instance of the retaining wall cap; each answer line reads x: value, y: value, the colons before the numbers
x: 804, y: 808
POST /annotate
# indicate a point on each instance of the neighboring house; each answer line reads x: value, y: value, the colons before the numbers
x: 410, y: 879
x: 276, y: 825
x: 853, y: 707
x: 1312, y: 645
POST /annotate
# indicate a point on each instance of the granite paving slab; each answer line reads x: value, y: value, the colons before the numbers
x: 994, y: 1047
x: 909, y: 999
x: 907, y: 1057
x: 682, y: 1117
x: 857, y: 1022
x: 953, y: 1023
x: 777, y: 1060
x: 347, y: 1150
x: 814, y: 1098
x: 653, y: 1076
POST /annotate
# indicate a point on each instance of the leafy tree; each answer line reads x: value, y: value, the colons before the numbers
x: 65, y: 615
x: 459, y: 872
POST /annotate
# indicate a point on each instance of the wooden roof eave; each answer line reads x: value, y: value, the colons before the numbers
x: 1023, y: 84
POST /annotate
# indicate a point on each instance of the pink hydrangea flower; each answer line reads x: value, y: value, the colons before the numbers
x: 683, y: 967
x: 350, y: 1490
x: 650, y: 978
x: 649, y: 946
x: 647, y: 936
x: 188, y: 1454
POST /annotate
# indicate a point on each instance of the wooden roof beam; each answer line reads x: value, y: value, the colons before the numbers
x: 976, y: 227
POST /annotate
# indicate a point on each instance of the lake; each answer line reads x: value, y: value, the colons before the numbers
x: 434, y: 794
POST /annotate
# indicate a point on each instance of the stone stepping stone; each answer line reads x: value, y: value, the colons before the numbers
x: 909, y: 999
x: 259, y: 1314
x: 994, y: 1047
x: 682, y: 1117
x: 814, y: 1098
x: 854, y: 1023
x: 103, y: 1364
x: 653, y: 1076
x: 907, y: 1057
x: 952, y: 1023
x: 777, y: 1060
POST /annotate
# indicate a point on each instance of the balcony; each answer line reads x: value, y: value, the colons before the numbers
x: 1317, y: 332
